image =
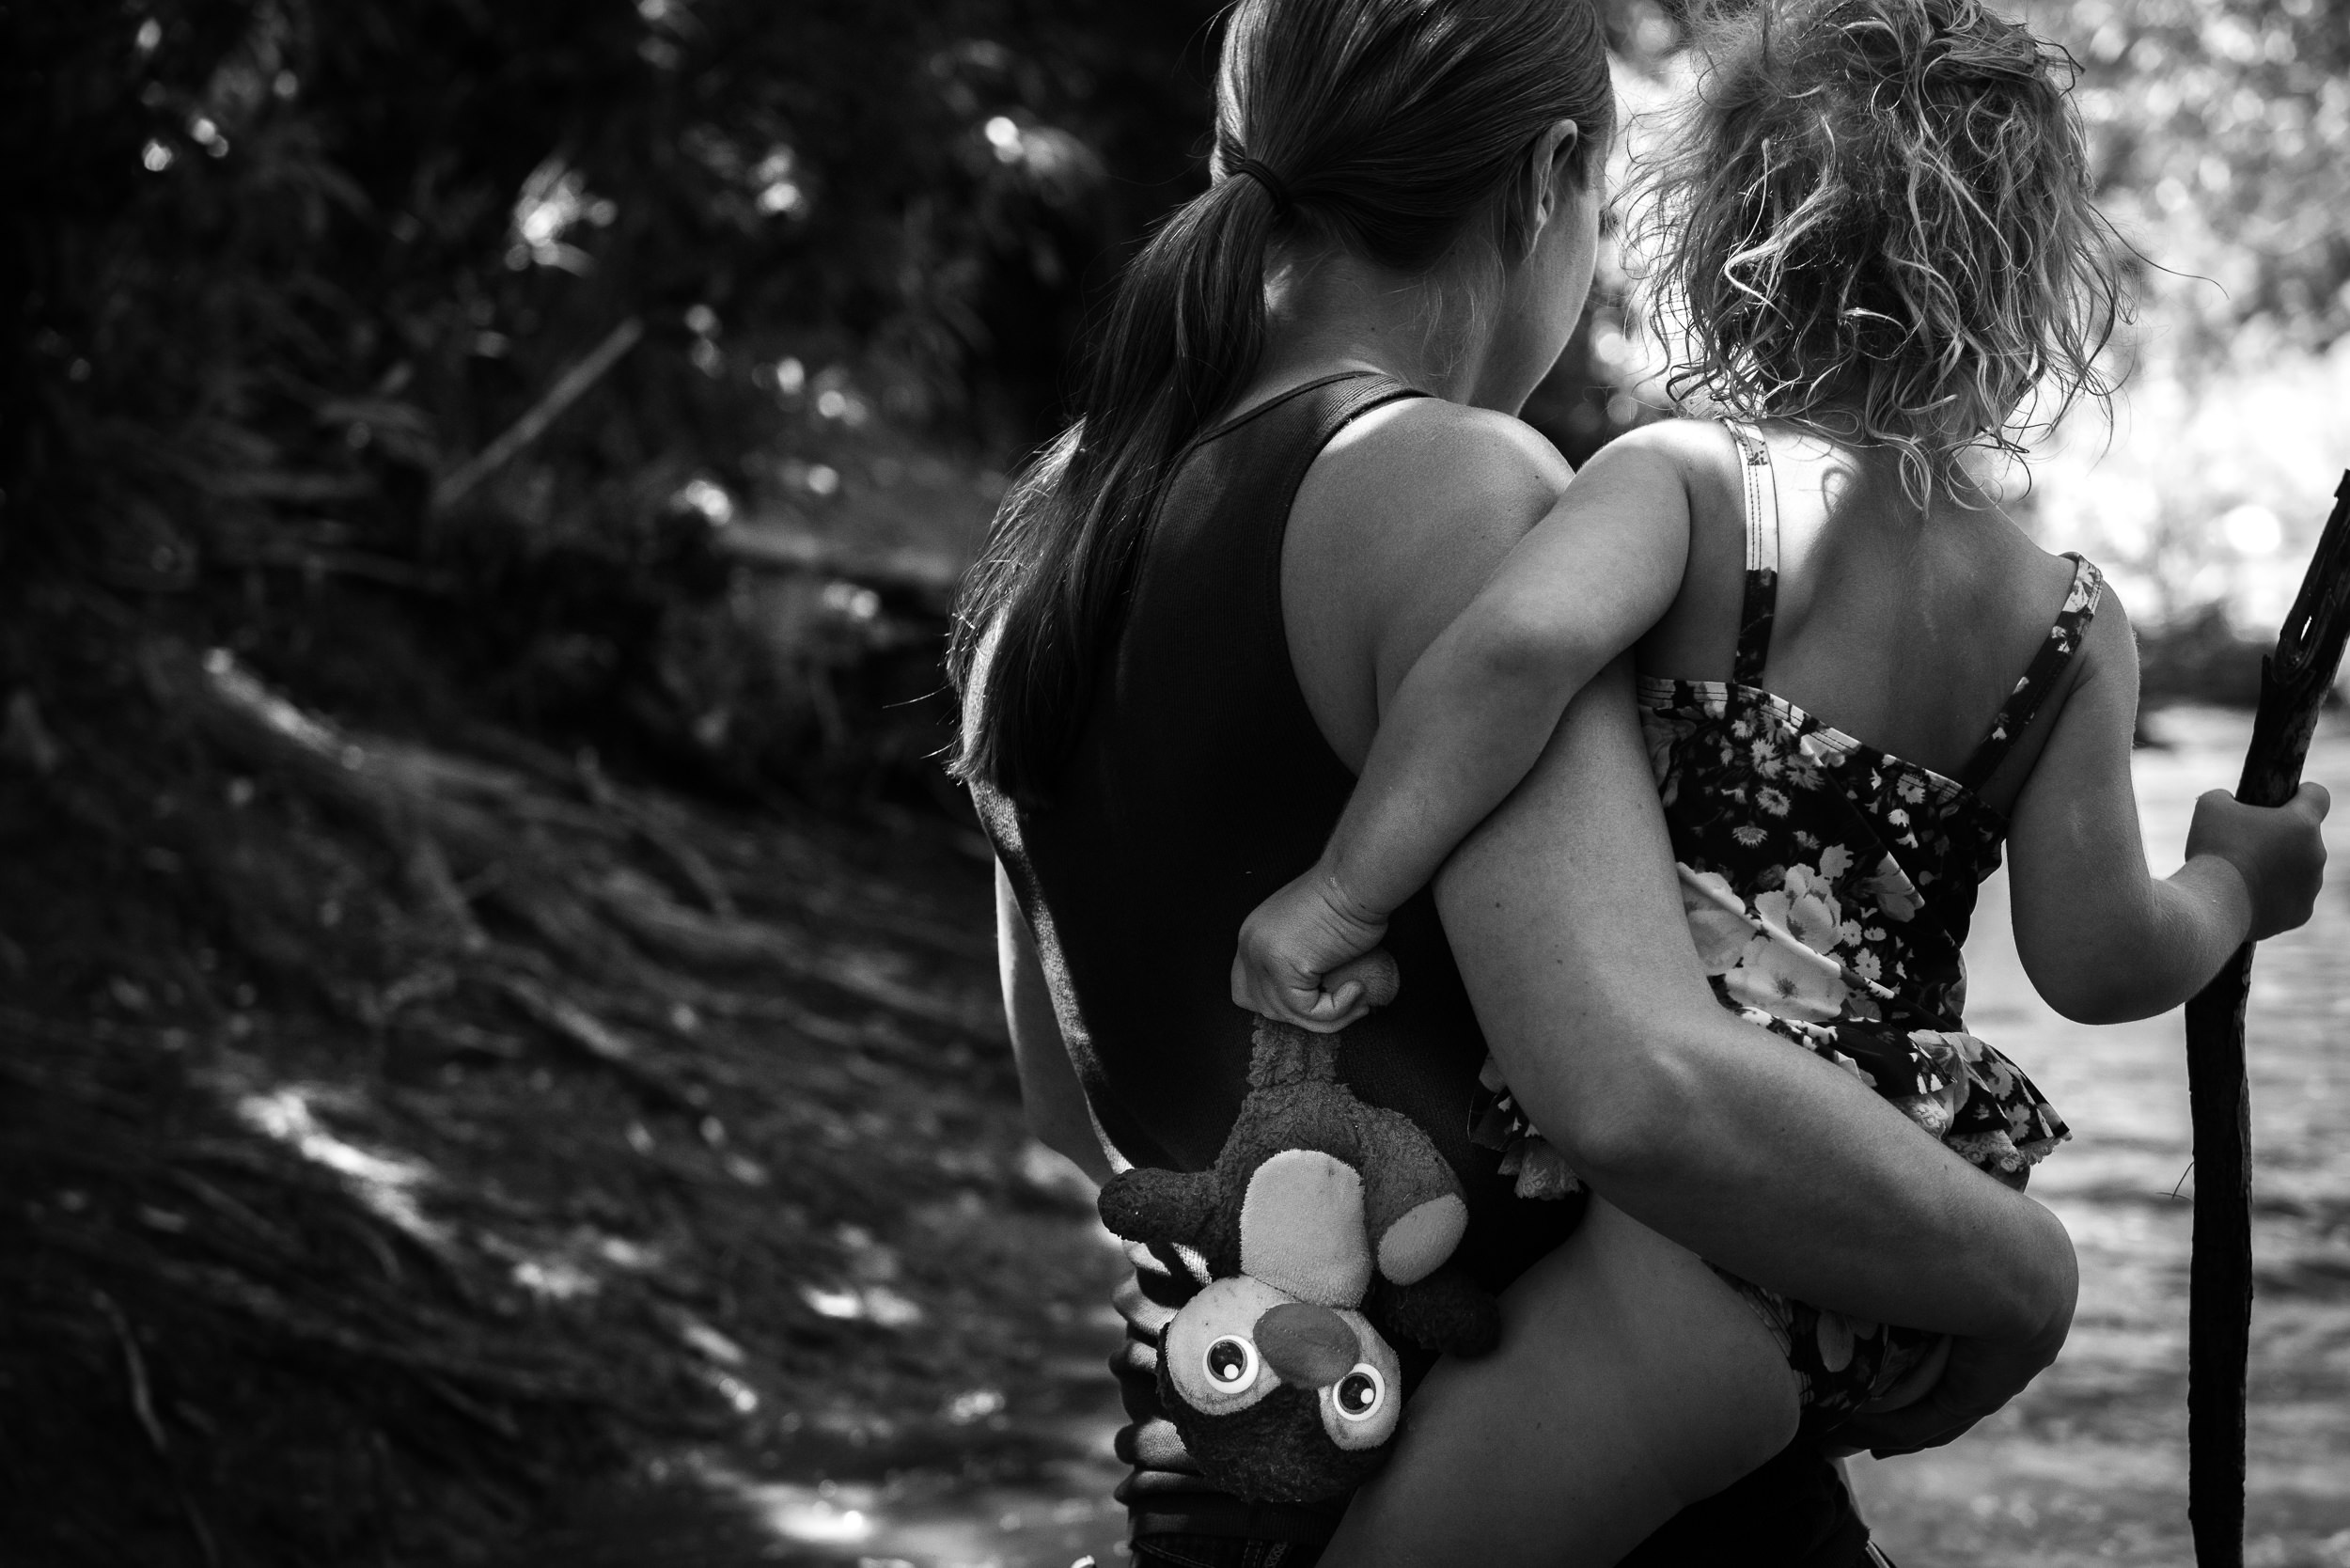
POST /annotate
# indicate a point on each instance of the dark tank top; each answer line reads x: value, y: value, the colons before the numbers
x: 1199, y: 784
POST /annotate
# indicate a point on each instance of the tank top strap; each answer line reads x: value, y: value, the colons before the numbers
x: 2042, y: 676
x: 1371, y: 389
x: 1760, y: 485
x: 1338, y: 409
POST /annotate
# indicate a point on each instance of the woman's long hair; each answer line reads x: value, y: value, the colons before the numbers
x: 1385, y: 127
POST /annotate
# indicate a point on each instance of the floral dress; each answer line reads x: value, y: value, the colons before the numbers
x: 1829, y: 886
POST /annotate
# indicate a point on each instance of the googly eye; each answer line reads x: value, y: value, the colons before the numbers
x: 1360, y: 1393
x: 1231, y: 1363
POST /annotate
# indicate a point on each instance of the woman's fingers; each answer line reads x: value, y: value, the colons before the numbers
x: 1979, y: 1376
x: 1915, y: 1384
x: 1928, y: 1423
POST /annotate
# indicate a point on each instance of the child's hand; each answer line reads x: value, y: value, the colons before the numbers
x: 2277, y: 850
x: 1307, y: 960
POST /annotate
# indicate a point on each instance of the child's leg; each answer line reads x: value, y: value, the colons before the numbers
x: 1630, y: 1382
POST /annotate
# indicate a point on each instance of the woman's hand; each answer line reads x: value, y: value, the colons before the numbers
x: 1980, y: 1376
x: 1309, y: 956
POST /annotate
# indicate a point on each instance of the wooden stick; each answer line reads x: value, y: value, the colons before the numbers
x: 458, y: 482
x: 2293, y: 683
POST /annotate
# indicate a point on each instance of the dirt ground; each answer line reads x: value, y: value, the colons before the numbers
x: 448, y: 1152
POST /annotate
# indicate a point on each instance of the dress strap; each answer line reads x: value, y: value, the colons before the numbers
x: 1760, y: 485
x: 2040, y: 676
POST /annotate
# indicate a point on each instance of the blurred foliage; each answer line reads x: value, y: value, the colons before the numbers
x: 421, y: 210
x: 281, y: 264
x: 2221, y: 133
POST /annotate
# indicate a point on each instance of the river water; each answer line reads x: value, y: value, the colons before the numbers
x: 2089, y: 1464
x: 2088, y: 1467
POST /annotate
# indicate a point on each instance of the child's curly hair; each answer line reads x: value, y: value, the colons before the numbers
x: 1878, y: 225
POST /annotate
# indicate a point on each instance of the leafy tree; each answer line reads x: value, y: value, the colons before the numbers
x: 285, y: 263
x: 2221, y: 129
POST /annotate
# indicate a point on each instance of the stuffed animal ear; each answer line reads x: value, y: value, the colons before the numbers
x: 1146, y: 1205
x: 1412, y: 1201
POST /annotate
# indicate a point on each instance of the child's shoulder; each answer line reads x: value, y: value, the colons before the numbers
x: 2037, y: 604
x: 1683, y: 438
x: 1698, y: 459
x: 1699, y: 453
x: 2009, y: 566
x: 2109, y: 645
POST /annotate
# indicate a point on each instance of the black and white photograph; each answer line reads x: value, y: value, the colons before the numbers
x: 1174, y: 783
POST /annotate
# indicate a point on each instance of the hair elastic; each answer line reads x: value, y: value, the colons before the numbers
x: 1273, y: 187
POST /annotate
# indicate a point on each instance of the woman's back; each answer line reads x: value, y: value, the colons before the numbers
x: 1201, y: 781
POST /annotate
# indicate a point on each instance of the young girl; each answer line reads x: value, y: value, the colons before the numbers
x: 1878, y: 238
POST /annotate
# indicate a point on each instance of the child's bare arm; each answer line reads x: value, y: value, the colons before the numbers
x: 2103, y: 940
x: 1466, y: 723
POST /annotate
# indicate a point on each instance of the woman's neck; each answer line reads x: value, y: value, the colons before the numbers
x: 1336, y: 311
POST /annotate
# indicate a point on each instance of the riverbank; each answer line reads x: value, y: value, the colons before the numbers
x: 416, y: 1141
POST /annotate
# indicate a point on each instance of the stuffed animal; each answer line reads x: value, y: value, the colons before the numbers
x: 1323, y: 1228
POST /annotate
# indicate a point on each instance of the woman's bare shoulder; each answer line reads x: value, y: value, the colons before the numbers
x: 1400, y: 521
x: 1422, y: 498
x: 1423, y: 464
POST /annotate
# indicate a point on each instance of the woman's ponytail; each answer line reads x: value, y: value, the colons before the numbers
x: 1381, y: 127
x: 1183, y: 336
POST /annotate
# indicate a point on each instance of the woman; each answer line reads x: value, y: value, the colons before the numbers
x: 1297, y: 462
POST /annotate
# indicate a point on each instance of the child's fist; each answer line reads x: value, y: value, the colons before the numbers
x: 2279, y: 850
x: 1307, y: 957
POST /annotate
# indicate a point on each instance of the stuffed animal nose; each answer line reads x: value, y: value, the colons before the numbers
x: 1306, y: 1346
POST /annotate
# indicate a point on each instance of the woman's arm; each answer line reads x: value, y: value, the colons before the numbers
x: 1566, y: 917
x: 1766, y: 1159
x: 1747, y: 1151
x: 2103, y: 940
x: 1054, y: 1101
